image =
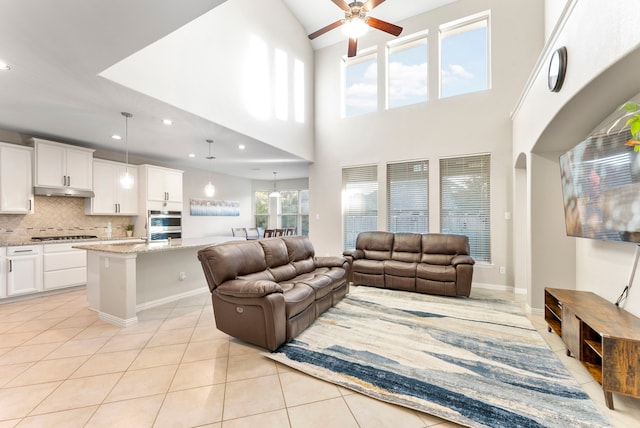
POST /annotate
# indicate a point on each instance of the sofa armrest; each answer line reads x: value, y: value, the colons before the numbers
x: 462, y: 259
x: 354, y: 254
x: 248, y: 289
x: 330, y: 261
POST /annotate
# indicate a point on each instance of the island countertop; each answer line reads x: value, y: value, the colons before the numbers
x: 147, y: 247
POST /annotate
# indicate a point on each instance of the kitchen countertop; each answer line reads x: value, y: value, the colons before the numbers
x: 14, y: 243
x: 147, y: 247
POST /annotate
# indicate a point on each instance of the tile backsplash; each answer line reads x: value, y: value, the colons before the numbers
x: 59, y: 215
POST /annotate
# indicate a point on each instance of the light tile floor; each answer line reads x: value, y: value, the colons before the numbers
x: 60, y: 366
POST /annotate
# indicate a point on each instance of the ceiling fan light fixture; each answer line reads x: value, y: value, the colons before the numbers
x: 355, y: 27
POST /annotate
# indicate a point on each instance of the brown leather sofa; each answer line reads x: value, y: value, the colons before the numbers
x: 269, y: 290
x: 432, y: 263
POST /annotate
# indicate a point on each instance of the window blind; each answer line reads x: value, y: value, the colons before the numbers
x: 465, y: 201
x: 359, y: 202
x: 408, y: 197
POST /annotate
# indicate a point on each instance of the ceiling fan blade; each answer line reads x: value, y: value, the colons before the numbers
x: 342, y: 5
x: 353, y: 48
x: 385, y: 26
x: 323, y: 30
x: 371, y: 4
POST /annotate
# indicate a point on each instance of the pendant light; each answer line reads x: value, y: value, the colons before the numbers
x: 210, y: 189
x: 126, y: 179
x: 275, y: 193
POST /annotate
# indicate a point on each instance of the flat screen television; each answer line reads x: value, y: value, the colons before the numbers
x: 601, y: 187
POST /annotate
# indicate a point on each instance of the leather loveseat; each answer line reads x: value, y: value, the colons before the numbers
x: 269, y: 290
x: 432, y: 263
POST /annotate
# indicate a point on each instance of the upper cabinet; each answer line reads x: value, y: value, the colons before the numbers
x: 163, y: 185
x: 16, y: 189
x: 63, y: 166
x: 110, y: 197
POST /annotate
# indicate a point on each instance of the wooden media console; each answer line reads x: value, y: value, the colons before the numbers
x: 604, y: 337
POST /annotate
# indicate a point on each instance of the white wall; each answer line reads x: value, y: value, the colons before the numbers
x: 468, y: 124
x: 603, y: 58
x: 217, y: 77
x: 227, y: 188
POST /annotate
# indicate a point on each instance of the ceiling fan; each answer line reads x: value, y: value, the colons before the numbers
x: 357, y: 22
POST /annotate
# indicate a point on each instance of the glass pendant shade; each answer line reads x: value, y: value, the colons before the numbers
x: 126, y: 179
x: 275, y: 193
x: 209, y: 189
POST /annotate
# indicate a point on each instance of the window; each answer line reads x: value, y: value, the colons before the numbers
x: 294, y: 211
x: 465, y: 202
x: 408, y: 197
x: 360, y: 85
x: 291, y: 209
x: 407, y: 71
x: 261, y: 201
x: 359, y: 202
x: 464, y: 56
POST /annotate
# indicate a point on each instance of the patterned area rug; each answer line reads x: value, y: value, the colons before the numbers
x: 476, y: 362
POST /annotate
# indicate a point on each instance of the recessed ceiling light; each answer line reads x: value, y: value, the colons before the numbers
x: 167, y: 121
x: 4, y: 66
x: 241, y: 146
x: 116, y: 137
x: 192, y: 155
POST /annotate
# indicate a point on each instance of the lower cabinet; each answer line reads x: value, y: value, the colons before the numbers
x: 24, y: 269
x: 64, y: 266
x: 28, y: 269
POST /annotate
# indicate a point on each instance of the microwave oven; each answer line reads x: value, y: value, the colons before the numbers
x: 163, y: 225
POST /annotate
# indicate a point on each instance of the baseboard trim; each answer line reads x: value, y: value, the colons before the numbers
x: 117, y: 321
x: 159, y: 302
x: 492, y: 286
x: 44, y: 293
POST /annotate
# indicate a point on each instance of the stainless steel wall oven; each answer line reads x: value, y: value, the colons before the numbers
x: 162, y: 225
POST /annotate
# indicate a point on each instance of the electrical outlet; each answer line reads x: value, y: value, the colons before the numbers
x: 503, y: 270
x: 183, y: 276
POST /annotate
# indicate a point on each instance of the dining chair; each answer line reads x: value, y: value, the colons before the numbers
x: 268, y: 233
x: 253, y: 233
x: 239, y: 231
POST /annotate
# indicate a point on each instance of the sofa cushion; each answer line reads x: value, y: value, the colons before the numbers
x: 440, y: 249
x: 436, y: 272
x: 335, y: 273
x: 321, y: 284
x: 375, y: 267
x: 275, y: 252
x: 396, y: 268
x: 407, y: 247
x: 283, y: 273
x: 297, y: 297
x: 375, y: 245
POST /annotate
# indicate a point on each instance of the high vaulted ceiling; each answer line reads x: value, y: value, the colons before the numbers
x: 56, y: 49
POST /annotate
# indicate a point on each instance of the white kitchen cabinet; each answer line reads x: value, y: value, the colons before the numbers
x: 163, y: 184
x: 63, y: 166
x: 63, y: 266
x: 16, y: 188
x: 110, y: 197
x: 24, y: 269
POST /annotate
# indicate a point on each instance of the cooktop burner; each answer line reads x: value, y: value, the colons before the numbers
x: 63, y: 238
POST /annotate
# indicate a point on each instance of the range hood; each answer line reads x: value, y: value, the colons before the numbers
x: 58, y: 191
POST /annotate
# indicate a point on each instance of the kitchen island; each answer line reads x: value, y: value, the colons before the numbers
x: 125, y: 278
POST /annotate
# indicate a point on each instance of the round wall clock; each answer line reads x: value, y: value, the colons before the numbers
x: 557, y: 69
